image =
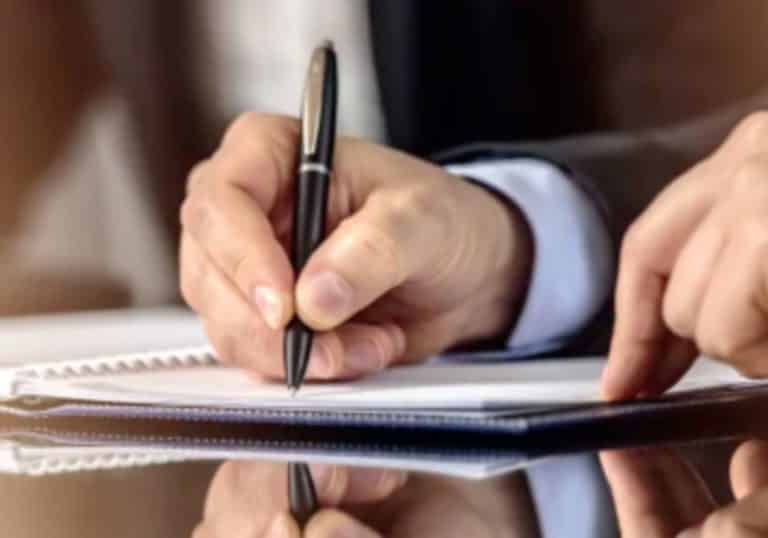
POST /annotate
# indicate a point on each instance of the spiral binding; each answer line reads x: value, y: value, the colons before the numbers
x: 71, y: 464
x: 123, y: 364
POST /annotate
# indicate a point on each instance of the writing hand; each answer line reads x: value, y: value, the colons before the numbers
x: 416, y: 260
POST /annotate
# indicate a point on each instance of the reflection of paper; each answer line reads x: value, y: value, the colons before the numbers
x: 43, y: 455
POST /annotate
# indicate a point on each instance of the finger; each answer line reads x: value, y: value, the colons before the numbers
x: 237, y: 237
x: 678, y: 356
x: 355, y: 349
x: 209, y: 293
x: 337, y: 484
x: 692, y: 273
x: 245, y: 482
x: 639, y: 334
x: 649, y: 251
x: 749, y: 468
x: 238, y: 335
x: 732, y: 324
x: 333, y: 523
x: 282, y: 526
x: 746, y: 518
x: 258, y: 155
x: 656, y: 493
x: 245, y: 498
x: 390, y: 240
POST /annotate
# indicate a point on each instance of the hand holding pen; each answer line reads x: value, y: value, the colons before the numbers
x: 415, y: 260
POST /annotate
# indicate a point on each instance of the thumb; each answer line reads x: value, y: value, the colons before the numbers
x: 387, y: 242
x: 333, y: 523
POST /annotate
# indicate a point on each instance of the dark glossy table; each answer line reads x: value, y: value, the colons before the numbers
x: 565, y: 495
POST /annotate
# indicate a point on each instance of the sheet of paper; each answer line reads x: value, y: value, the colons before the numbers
x: 435, y: 386
x: 432, y: 386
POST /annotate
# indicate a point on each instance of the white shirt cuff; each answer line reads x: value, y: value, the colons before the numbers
x: 573, y: 266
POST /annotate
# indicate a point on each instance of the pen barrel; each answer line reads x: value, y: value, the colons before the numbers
x: 308, y: 216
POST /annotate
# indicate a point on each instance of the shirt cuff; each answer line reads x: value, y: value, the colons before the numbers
x: 573, y: 264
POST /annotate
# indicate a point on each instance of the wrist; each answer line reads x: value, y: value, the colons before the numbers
x: 507, y: 242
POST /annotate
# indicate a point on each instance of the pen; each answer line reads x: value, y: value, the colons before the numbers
x: 318, y: 134
x: 301, y: 493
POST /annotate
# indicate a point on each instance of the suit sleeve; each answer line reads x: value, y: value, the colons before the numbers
x: 573, y: 267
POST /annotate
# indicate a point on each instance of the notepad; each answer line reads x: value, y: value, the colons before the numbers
x: 160, y: 358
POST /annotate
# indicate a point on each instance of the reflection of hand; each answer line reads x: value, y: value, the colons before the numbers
x: 658, y: 495
x: 250, y: 499
x: 694, y: 274
x: 413, y: 254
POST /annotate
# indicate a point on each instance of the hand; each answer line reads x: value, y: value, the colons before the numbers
x: 658, y: 495
x: 416, y: 260
x: 250, y: 499
x: 693, y: 273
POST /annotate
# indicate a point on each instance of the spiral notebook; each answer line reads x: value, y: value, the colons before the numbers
x: 157, y: 364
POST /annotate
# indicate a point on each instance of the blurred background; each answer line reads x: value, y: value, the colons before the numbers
x: 105, y: 105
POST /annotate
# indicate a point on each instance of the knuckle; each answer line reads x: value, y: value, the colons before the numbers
x: 635, y: 245
x: 751, y: 176
x: 753, y: 229
x: 717, y: 342
x: 195, y: 213
x: 245, y: 127
x: 375, y: 243
x: 197, y: 175
x: 417, y: 200
x: 753, y: 129
x: 677, y: 317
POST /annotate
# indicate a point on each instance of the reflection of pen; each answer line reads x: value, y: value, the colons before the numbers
x: 318, y: 134
x: 301, y: 493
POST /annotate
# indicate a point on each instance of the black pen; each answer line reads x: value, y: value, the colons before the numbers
x: 318, y: 134
x: 301, y: 493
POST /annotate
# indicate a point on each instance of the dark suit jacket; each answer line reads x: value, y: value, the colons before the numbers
x: 476, y: 78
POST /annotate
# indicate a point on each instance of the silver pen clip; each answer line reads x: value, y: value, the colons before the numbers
x: 313, y: 98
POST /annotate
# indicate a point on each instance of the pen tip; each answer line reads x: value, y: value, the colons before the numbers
x: 294, y: 391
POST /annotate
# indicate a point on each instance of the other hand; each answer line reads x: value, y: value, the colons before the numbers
x: 693, y: 274
x: 659, y: 495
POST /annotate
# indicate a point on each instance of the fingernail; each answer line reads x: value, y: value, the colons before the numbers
x: 363, y: 356
x: 269, y: 305
x: 330, y: 294
x: 280, y: 527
